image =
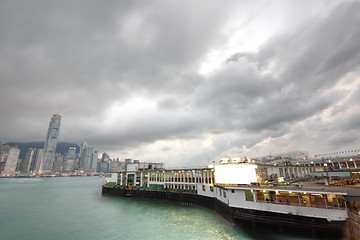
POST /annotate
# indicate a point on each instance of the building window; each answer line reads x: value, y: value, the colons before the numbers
x: 224, y: 194
x: 232, y: 191
x: 249, y: 196
x: 281, y: 170
x: 204, y: 188
x: 211, y: 188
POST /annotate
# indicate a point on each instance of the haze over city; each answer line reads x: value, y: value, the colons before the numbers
x: 183, y: 82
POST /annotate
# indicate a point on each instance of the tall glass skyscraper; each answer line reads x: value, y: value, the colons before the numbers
x: 50, y: 144
x: 70, y: 160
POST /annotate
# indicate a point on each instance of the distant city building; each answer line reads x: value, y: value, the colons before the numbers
x: 51, y: 143
x: 85, y: 156
x: 88, y: 157
x: 116, y: 166
x: 83, y: 146
x: 128, y: 164
x: 31, y: 163
x: 105, y: 157
x: 128, y: 160
x: 38, y: 158
x: 11, y: 161
x: 104, y: 166
x: 58, y: 163
x: 19, y: 164
x: 70, y: 160
x: 2, y: 166
x: 95, y: 160
x: 4, y: 151
x: 29, y: 158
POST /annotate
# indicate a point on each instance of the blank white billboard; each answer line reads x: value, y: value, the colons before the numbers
x: 235, y: 174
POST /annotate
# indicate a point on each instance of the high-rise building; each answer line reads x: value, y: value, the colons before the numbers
x: 38, y: 158
x: 4, y: 151
x: 104, y: 166
x: 58, y: 163
x: 11, y: 161
x: 20, y: 164
x: 95, y: 160
x: 70, y: 160
x: 50, y: 144
x: 82, y: 147
x: 105, y: 157
x: 88, y: 157
x: 29, y: 158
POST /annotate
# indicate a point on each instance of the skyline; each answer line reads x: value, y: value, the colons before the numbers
x: 183, y: 83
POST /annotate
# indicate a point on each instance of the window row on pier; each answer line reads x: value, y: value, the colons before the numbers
x: 183, y: 176
x: 300, y: 199
x: 173, y: 179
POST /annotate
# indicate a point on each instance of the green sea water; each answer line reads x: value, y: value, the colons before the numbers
x: 74, y: 208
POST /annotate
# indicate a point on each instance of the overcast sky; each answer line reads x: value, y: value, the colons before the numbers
x: 183, y: 82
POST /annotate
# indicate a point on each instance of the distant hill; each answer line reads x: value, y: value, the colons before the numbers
x: 62, y: 147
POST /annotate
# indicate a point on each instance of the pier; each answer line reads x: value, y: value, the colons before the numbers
x: 236, y: 216
x: 237, y: 193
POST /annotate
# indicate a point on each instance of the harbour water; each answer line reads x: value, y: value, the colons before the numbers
x: 74, y: 208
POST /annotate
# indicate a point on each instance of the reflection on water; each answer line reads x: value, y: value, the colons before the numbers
x: 22, y: 180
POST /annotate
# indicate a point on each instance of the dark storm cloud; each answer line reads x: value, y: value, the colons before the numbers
x: 291, y: 78
x: 78, y: 58
x: 124, y: 74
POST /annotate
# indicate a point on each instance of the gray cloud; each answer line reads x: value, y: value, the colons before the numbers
x: 305, y: 66
x: 125, y: 76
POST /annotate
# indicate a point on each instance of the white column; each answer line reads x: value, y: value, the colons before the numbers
x: 182, y: 179
x: 192, y: 179
x: 173, y: 179
x: 148, y: 182
x: 141, y: 179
